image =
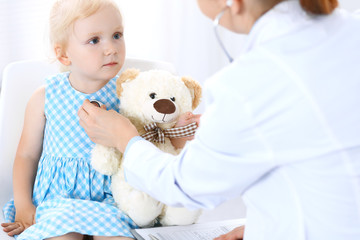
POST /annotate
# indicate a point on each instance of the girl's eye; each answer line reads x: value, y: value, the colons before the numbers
x: 94, y: 40
x: 152, y: 95
x: 117, y: 35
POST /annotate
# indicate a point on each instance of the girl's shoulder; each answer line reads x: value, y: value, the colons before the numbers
x: 37, y: 98
x: 56, y: 83
x: 57, y: 78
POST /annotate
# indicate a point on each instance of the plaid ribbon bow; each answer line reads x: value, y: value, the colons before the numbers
x: 156, y: 134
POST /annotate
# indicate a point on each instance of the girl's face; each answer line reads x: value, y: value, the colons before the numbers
x: 96, y: 47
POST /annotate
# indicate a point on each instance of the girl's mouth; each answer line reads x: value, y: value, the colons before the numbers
x: 110, y: 64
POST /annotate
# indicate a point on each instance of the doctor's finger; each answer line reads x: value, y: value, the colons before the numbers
x: 82, y: 113
x: 235, y: 234
x: 196, y: 118
x: 90, y: 108
x: 85, y: 117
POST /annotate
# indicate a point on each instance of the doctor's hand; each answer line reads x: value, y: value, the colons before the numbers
x: 235, y: 234
x: 185, y: 119
x: 107, y: 128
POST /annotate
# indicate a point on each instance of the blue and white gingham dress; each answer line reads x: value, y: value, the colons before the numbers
x: 69, y: 194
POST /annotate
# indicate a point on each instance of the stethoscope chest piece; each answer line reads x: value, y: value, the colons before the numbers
x: 96, y: 103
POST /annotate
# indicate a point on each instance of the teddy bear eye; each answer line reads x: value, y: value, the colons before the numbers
x: 152, y: 95
x: 172, y: 99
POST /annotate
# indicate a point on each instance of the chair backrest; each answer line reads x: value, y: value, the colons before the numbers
x: 20, y: 80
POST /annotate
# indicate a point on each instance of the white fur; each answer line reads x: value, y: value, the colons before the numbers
x: 105, y: 160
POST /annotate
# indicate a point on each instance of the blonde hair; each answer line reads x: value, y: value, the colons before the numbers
x: 64, y: 13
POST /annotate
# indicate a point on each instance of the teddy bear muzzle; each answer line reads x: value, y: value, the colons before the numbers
x: 164, y: 106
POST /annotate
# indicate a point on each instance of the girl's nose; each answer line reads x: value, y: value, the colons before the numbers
x: 110, y: 49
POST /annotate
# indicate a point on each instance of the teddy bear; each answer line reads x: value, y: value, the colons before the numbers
x: 152, y: 100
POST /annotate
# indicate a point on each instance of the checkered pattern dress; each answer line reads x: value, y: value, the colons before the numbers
x: 69, y: 194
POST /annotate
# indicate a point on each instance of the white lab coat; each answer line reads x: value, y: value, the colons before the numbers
x: 281, y: 128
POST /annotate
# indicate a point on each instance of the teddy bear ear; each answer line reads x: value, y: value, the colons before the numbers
x: 126, y: 76
x: 195, y: 90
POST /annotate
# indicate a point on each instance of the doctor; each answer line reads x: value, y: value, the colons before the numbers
x: 281, y: 126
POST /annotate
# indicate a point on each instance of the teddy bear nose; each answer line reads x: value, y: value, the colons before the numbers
x: 164, y: 106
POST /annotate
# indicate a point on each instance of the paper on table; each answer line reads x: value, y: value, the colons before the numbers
x: 198, y: 231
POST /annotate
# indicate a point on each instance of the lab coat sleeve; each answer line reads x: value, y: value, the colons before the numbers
x: 227, y: 156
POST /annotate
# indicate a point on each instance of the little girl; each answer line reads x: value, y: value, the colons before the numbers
x: 57, y: 194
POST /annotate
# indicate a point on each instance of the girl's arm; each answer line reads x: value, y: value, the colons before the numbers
x: 25, y: 164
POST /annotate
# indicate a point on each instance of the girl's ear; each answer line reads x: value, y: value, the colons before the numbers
x: 61, y: 55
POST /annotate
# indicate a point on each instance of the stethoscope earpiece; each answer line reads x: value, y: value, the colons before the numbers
x: 229, y: 3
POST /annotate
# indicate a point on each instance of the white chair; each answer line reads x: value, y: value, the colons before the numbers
x: 20, y: 79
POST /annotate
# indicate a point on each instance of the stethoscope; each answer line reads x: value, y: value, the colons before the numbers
x: 96, y: 102
x: 216, y: 24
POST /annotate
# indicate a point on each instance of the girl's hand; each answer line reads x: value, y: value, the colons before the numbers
x: 24, y: 218
x: 184, y: 120
x: 235, y: 234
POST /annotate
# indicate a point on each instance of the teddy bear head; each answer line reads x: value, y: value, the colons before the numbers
x: 156, y: 96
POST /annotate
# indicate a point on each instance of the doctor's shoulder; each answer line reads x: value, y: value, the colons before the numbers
x: 249, y: 74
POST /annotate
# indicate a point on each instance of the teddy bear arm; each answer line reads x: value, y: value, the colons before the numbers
x: 105, y: 160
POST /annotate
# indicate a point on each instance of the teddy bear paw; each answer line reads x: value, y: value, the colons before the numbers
x: 143, y: 209
x: 179, y: 216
